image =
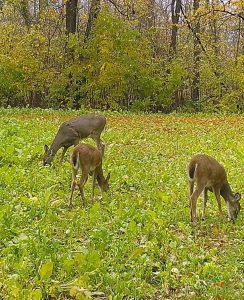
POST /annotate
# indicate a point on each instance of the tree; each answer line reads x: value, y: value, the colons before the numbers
x: 93, y: 14
x: 71, y: 16
x: 196, y: 57
x: 175, y: 15
x: 25, y: 12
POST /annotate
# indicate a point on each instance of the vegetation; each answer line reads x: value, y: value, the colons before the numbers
x: 123, y: 55
x: 135, y: 243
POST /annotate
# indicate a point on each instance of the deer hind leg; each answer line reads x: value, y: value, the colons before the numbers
x: 217, y: 196
x: 76, y: 142
x: 73, y: 184
x: 81, y: 184
x: 100, y: 144
x: 193, y: 199
x: 205, y: 200
x: 190, y: 190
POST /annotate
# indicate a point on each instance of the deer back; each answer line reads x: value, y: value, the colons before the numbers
x: 206, y: 170
x: 87, y: 157
x: 86, y: 125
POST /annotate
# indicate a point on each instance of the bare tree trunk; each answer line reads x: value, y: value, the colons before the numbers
x: 93, y: 14
x: 175, y: 15
x: 25, y: 12
x: 71, y: 15
x: 240, y: 40
x: 196, y: 58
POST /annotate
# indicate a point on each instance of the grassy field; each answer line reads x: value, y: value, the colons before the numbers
x: 137, y: 243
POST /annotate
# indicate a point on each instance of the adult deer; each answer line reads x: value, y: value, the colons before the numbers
x: 72, y: 131
x: 89, y: 160
x: 208, y: 174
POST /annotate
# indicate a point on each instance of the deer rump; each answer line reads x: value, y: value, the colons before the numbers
x: 197, y: 170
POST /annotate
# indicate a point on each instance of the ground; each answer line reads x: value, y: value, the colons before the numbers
x: 135, y: 243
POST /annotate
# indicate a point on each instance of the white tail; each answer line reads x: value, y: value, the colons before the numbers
x: 191, y: 173
x: 75, y: 162
x: 89, y: 160
x: 208, y: 174
x: 72, y: 131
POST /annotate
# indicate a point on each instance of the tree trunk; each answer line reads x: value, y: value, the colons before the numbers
x: 151, y: 14
x: 196, y: 59
x: 25, y: 12
x: 175, y: 15
x: 93, y: 14
x: 71, y: 15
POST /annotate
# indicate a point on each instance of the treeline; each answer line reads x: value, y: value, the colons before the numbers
x: 114, y: 54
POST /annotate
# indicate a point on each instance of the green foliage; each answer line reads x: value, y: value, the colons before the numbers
x: 137, y: 242
x: 223, y: 90
x: 114, y: 69
x: 29, y: 64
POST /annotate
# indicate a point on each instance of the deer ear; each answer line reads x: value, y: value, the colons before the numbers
x: 237, y: 197
x: 108, y: 176
x: 46, y: 148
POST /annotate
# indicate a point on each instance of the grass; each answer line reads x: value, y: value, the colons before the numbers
x: 137, y: 243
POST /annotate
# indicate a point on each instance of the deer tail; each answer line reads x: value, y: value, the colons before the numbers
x: 192, y: 170
x: 75, y: 160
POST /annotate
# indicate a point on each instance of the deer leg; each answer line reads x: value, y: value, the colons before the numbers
x: 193, y: 199
x: 100, y: 144
x: 63, y: 153
x: 76, y: 142
x: 190, y: 191
x: 205, y: 199
x: 81, y: 184
x: 73, y: 184
x: 94, y: 177
x: 217, y: 196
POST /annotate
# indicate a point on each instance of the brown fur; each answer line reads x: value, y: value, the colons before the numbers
x: 89, y: 160
x: 72, y: 131
x: 208, y: 174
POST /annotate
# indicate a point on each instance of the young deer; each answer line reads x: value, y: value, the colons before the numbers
x: 209, y: 175
x: 89, y: 160
x: 72, y: 131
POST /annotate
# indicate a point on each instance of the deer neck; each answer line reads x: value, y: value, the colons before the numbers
x: 226, y: 192
x: 56, y: 145
x: 100, y: 176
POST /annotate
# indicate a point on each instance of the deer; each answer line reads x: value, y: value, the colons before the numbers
x: 210, y: 175
x: 72, y: 131
x: 89, y: 160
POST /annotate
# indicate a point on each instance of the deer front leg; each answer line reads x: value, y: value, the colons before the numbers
x: 63, y: 153
x: 205, y: 199
x: 217, y: 196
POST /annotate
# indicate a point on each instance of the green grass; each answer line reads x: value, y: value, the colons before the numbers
x: 137, y: 243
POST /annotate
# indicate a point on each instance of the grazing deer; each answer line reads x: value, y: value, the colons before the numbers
x: 208, y: 174
x: 72, y: 131
x: 89, y: 160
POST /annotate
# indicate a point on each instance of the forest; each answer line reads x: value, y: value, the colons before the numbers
x: 122, y: 141
x: 143, y: 55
